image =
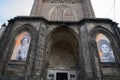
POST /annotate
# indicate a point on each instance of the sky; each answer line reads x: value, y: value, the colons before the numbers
x: 107, y: 9
x: 102, y: 9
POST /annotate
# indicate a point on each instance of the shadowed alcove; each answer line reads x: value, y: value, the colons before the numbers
x: 62, y: 48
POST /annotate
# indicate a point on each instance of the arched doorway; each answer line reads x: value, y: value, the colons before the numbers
x: 62, y: 54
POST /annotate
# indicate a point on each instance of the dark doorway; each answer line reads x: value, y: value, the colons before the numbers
x: 62, y: 76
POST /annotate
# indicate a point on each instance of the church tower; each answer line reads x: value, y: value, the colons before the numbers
x: 63, y: 10
x: 60, y: 40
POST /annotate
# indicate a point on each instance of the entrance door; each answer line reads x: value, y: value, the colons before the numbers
x: 61, y: 76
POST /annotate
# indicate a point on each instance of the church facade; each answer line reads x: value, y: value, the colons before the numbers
x: 60, y: 40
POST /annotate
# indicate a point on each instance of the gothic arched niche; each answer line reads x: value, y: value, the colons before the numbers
x: 56, y: 14
x: 62, y: 13
x: 63, y: 48
x: 104, y: 48
x: 22, y: 43
x: 68, y: 15
x: 62, y: 52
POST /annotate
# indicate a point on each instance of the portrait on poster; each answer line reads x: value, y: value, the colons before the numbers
x: 104, y: 48
x: 21, y: 47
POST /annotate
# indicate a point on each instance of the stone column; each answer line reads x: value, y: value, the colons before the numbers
x: 88, y: 10
x: 86, y: 54
x: 40, y: 55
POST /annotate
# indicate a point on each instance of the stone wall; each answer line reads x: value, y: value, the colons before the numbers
x: 81, y: 36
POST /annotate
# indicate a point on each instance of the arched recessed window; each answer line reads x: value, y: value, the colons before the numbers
x: 104, y: 48
x: 22, y: 43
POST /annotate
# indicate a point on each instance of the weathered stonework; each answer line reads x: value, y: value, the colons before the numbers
x: 37, y: 65
x: 62, y: 46
x: 81, y: 8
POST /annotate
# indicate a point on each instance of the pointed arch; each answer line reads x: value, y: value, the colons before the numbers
x: 23, y: 30
x: 59, y: 30
x: 94, y: 37
x: 62, y: 40
x: 20, y: 66
x: 56, y: 14
x: 98, y: 34
x: 61, y: 13
x: 68, y: 15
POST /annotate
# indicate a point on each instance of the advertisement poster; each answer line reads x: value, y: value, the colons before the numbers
x: 21, y: 47
x: 104, y: 49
